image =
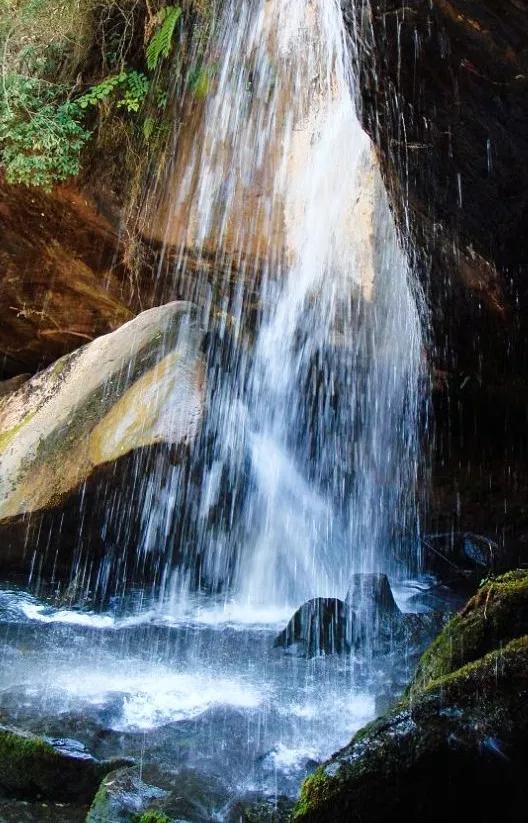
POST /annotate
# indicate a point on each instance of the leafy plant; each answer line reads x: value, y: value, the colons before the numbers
x: 160, y: 44
x: 41, y: 133
x: 133, y: 87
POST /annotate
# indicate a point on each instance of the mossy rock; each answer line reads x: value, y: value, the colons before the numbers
x: 33, y: 768
x: 155, y: 795
x: 497, y: 613
x: 458, y: 739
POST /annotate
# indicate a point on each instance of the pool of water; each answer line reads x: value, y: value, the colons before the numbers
x: 198, y: 688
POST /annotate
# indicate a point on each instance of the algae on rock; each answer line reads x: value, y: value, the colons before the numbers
x: 458, y: 736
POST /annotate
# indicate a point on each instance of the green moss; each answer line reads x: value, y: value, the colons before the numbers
x: 7, y: 436
x: 17, y: 747
x: 26, y: 763
x: 316, y: 789
x: 99, y: 804
x: 477, y: 672
x: 154, y: 816
x: 496, y: 614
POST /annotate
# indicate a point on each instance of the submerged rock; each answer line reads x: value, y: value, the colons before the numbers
x: 458, y: 738
x: 34, y: 767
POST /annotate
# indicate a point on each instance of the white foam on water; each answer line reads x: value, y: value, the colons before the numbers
x: 157, y: 696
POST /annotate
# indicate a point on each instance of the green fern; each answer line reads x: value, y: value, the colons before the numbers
x: 161, y: 42
x: 135, y: 90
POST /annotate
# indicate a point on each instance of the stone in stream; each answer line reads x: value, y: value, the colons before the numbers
x: 319, y: 626
x: 34, y: 767
x: 369, y: 618
x: 77, y: 420
x: 457, y: 740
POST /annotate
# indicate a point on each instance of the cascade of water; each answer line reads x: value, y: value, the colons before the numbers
x: 276, y: 223
x: 311, y: 436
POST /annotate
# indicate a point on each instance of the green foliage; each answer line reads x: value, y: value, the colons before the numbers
x: 132, y: 86
x: 154, y: 816
x: 161, y: 41
x: 41, y: 132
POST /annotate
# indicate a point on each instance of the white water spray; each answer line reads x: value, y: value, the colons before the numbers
x: 316, y: 428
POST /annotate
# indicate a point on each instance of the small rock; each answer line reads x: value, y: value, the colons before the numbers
x: 319, y: 626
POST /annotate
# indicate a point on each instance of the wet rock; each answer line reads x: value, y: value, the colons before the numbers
x: 458, y: 738
x: 368, y: 619
x: 155, y: 795
x: 122, y: 797
x: 372, y: 594
x: 375, y: 617
x: 319, y: 626
x: 34, y: 767
x: 261, y: 809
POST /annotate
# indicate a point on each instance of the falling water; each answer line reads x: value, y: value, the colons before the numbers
x: 275, y: 220
x: 311, y: 437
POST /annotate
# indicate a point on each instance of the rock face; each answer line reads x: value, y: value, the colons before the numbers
x: 33, y: 767
x: 138, y: 386
x: 445, y: 99
x: 456, y: 75
x: 62, y: 279
x: 456, y: 741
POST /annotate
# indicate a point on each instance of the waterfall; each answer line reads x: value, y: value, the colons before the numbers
x: 272, y: 218
x: 309, y: 455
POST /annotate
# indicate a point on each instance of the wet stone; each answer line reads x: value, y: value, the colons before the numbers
x: 319, y: 626
x: 158, y: 795
x: 33, y: 767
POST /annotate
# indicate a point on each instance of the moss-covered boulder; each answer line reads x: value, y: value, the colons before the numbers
x: 33, y: 767
x: 497, y: 613
x: 459, y: 738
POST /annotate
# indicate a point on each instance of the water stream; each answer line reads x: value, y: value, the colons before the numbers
x: 306, y: 468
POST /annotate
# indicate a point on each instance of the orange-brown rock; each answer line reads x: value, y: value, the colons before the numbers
x: 62, y: 279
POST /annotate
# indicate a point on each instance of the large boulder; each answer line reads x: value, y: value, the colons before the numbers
x: 129, y: 390
x: 459, y: 738
x: 139, y: 385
